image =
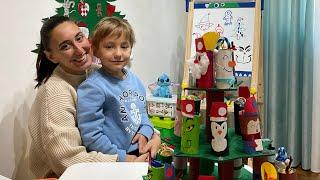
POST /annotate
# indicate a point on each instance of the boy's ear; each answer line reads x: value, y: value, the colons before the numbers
x: 50, y: 56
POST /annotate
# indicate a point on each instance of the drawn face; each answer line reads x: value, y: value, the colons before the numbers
x: 190, y: 135
x: 224, y: 61
x: 253, y: 127
x: 219, y: 129
x: 245, y: 55
x: 70, y: 48
x: 228, y: 13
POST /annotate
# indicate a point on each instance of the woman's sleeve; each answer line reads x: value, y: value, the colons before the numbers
x: 60, y: 136
x: 91, y: 120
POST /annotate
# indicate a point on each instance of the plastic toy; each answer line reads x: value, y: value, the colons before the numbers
x: 163, y: 89
x: 282, y: 160
x: 268, y: 171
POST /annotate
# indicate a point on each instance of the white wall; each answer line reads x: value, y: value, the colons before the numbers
x: 160, y: 29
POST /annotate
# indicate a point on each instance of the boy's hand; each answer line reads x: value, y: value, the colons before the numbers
x: 142, y: 141
x: 153, y: 145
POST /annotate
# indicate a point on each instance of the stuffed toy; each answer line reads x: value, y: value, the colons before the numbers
x: 163, y: 89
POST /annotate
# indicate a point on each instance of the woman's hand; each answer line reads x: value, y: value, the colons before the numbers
x: 141, y: 158
x: 152, y: 146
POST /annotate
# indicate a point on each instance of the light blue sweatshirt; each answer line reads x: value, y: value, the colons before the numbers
x: 111, y: 111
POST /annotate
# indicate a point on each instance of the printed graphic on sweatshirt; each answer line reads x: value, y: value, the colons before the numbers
x: 131, y: 110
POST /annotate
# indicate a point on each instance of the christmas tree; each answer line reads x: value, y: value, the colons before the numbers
x: 86, y: 13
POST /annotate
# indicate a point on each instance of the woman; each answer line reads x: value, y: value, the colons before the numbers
x: 64, y: 61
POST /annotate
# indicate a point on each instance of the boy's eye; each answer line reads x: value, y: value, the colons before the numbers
x: 109, y: 46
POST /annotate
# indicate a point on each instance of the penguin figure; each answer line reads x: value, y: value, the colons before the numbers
x: 219, y: 128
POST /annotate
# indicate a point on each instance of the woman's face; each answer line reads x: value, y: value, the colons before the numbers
x: 70, y: 48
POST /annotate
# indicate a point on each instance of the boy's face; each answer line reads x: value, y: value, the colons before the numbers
x: 114, y: 54
x: 70, y: 48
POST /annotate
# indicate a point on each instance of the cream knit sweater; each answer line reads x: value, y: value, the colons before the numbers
x: 56, y: 142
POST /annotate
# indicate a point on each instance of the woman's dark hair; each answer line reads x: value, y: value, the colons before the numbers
x: 44, y: 66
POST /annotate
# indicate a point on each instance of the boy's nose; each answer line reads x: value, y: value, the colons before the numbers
x: 117, y: 52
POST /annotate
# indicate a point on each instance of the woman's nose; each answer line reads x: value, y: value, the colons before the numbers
x: 78, y: 49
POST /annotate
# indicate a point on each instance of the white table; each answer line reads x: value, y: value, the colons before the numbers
x: 101, y: 171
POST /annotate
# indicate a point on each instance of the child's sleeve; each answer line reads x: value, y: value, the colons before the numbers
x: 146, y: 127
x: 91, y: 119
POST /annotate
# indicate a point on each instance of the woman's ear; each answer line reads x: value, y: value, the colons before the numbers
x: 50, y: 56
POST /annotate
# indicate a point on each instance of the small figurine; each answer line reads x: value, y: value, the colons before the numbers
x: 282, y: 154
x: 163, y: 89
x: 283, y: 161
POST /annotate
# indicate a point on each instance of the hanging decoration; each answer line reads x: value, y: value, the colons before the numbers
x: 83, y: 8
x: 86, y: 13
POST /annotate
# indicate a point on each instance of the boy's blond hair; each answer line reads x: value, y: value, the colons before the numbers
x: 112, y: 26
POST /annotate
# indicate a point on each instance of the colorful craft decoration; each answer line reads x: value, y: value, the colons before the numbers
x: 219, y: 128
x: 190, y: 127
x: 201, y: 65
x: 250, y: 126
x: 89, y: 12
x: 225, y: 65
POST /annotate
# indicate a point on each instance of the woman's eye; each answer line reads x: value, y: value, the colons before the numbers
x: 64, y: 47
x: 79, y: 38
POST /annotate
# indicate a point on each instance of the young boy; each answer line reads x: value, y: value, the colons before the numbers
x: 111, y: 112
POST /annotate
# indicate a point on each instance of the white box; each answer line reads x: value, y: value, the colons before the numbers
x: 162, y: 107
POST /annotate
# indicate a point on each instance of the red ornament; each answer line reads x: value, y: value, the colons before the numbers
x: 83, y: 8
x: 110, y: 9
